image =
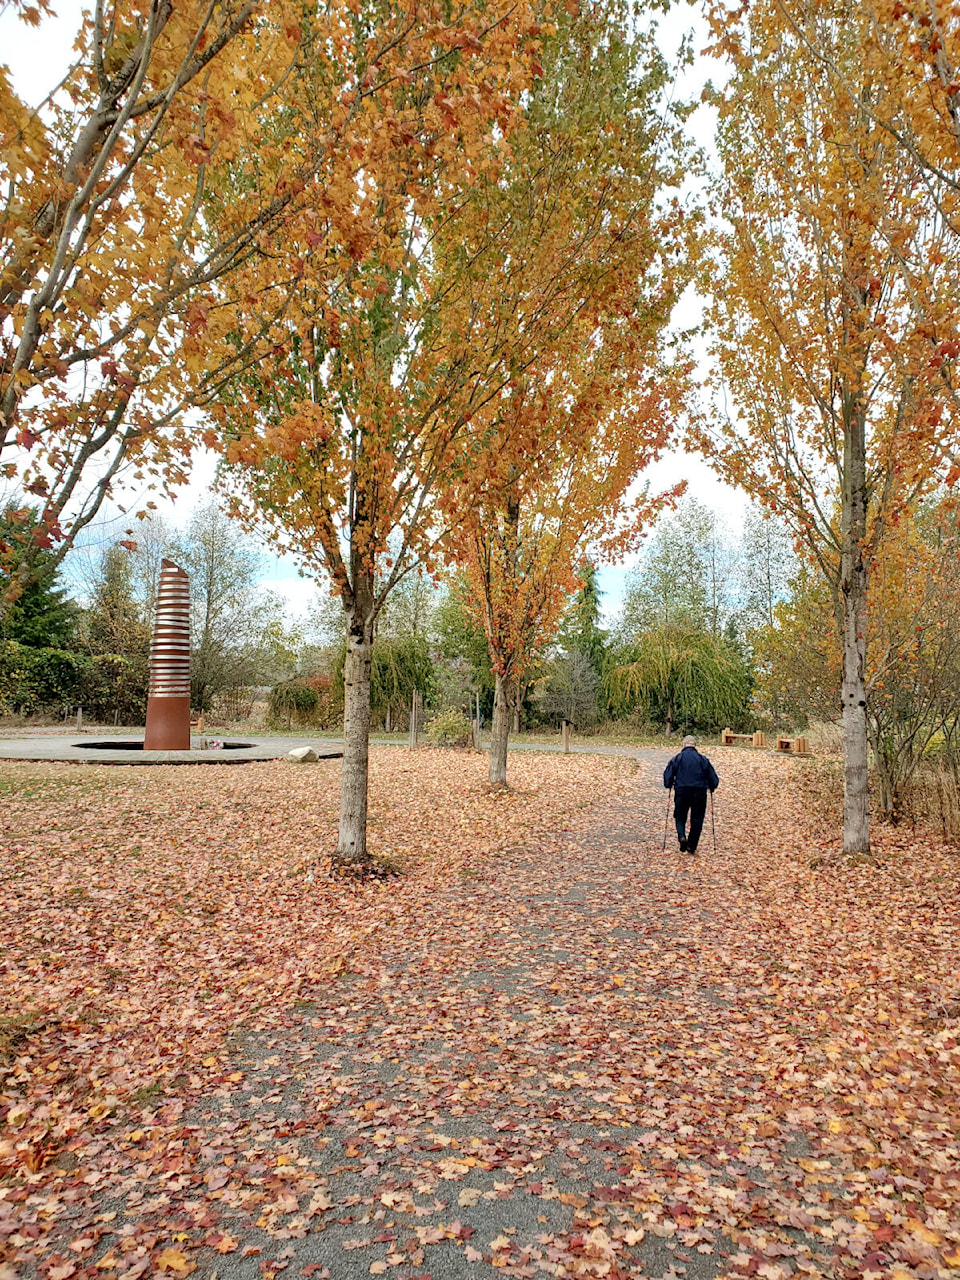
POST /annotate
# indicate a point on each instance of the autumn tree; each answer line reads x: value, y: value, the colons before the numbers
x: 181, y: 139
x: 832, y: 271
x: 104, y: 269
x: 521, y: 542
x: 578, y: 425
x: 913, y: 45
x: 796, y: 654
x: 913, y: 651
x: 396, y: 336
x: 914, y: 627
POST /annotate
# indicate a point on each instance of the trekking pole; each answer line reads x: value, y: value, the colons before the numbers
x: 666, y: 820
x: 713, y: 824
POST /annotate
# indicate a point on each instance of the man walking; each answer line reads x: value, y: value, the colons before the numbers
x: 691, y: 775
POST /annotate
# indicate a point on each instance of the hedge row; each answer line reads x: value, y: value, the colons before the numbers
x: 56, y: 681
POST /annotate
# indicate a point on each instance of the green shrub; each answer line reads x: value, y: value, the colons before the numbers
x: 449, y: 728
x: 33, y: 680
x: 293, y: 700
x: 114, y: 687
x: 107, y: 686
x: 329, y: 709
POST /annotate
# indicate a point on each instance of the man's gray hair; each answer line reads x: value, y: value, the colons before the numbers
x: 689, y: 741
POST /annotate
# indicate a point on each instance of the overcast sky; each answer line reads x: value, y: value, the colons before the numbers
x: 37, y: 58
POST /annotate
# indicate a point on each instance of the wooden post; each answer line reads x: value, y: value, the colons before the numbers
x: 79, y: 718
x: 759, y: 738
x: 414, y: 717
x: 565, y: 730
x: 726, y: 738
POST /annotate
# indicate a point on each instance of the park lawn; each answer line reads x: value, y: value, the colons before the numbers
x: 148, y: 912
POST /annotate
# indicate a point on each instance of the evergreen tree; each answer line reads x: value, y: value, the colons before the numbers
x: 43, y: 616
x: 580, y: 630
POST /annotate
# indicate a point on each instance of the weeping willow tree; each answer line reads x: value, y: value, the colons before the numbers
x: 681, y: 677
x: 400, y: 666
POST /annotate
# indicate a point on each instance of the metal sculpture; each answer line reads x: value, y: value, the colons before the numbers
x: 168, y: 700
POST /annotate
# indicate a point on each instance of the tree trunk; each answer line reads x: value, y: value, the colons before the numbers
x: 352, y: 842
x: 500, y: 731
x: 853, y: 589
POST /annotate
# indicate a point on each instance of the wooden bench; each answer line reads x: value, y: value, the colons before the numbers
x: 794, y: 746
x: 730, y: 739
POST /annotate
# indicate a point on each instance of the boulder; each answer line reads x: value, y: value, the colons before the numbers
x: 302, y: 755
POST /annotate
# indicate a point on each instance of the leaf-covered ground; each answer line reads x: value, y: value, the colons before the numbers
x: 545, y: 1049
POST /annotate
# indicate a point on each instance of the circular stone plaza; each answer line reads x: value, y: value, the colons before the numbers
x: 127, y: 748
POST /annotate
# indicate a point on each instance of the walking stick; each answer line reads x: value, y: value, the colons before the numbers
x: 713, y: 825
x: 666, y: 820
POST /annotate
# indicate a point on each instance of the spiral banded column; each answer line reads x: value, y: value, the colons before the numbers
x: 168, y: 701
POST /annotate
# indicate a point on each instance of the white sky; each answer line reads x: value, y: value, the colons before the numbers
x: 38, y: 57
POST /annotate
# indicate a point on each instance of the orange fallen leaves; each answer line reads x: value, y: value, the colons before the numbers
x: 149, y: 912
x: 173, y: 1260
x: 775, y: 1081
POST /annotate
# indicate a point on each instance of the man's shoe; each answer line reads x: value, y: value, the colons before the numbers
x: 692, y: 852
x: 683, y: 846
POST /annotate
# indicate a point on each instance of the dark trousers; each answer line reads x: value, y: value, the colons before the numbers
x: 692, y: 800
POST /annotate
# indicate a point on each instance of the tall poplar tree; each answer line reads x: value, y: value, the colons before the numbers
x: 832, y: 290
x: 587, y: 189
x: 338, y: 446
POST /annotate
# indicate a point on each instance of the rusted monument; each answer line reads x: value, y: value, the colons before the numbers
x: 168, y: 699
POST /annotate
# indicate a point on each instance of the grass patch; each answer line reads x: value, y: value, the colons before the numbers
x: 28, y: 781
x: 15, y: 1030
x: 146, y: 1093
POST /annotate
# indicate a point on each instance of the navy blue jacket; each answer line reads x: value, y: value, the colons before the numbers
x: 690, y: 769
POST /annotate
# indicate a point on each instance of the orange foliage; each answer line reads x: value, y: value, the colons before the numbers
x: 834, y: 312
